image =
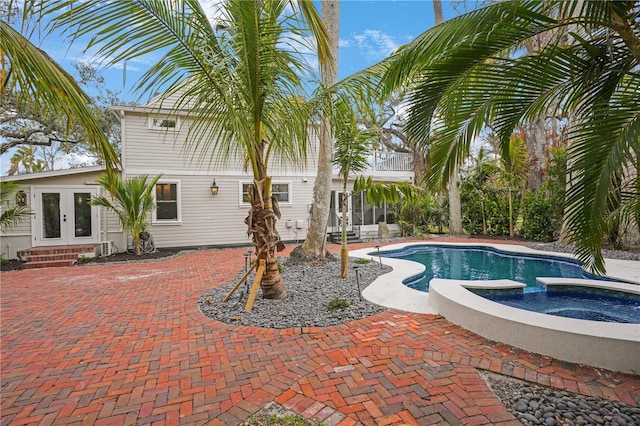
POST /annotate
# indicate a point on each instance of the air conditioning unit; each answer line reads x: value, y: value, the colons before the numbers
x: 106, y: 248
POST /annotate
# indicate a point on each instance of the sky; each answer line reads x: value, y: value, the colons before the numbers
x: 369, y: 31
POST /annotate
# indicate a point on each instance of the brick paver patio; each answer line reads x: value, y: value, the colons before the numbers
x: 126, y: 344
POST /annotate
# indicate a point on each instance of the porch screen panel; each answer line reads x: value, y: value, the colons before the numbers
x: 358, y: 218
x: 82, y: 214
x: 51, y: 215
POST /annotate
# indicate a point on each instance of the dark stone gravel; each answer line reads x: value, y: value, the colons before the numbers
x: 539, y: 405
x: 310, y: 288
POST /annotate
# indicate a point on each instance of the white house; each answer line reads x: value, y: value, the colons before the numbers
x: 187, y: 214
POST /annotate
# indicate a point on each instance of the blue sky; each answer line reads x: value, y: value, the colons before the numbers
x: 369, y: 31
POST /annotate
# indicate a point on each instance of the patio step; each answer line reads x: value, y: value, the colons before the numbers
x: 336, y: 237
x: 57, y: 256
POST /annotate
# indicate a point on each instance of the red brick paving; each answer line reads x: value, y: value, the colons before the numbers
x: 126, y: 344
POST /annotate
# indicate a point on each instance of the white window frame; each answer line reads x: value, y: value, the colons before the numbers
x: 178, y: 220
x: 243, y: 203
x: 153, y: 119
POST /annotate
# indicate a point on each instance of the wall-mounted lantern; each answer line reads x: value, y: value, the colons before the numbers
x: 21, y: 198
x: 214, y: 188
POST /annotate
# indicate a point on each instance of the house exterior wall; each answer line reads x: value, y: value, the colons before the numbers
x: 204, y: 219
x: 21, y: 236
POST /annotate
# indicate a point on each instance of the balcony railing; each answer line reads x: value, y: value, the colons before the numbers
x: 390, y: 161
x: 382, y: 161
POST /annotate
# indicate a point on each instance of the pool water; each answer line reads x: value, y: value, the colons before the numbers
x: 475, y: 263
x: 481, y: 263
x: 572, y: 302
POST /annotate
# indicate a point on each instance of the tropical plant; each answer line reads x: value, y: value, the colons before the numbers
x: 462, y: 72
x: 24, y: 159
x: 12, y: 213
x: 131, y: 200
x: 514, y: 170
x: 350, y: 155
x: 238, y: 79
x: 30, y: 79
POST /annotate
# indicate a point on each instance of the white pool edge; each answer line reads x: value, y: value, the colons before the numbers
x: 605, y: 345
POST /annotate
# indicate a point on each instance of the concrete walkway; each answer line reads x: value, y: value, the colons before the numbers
x: 126, y: 344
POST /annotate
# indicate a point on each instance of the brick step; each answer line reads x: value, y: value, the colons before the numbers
x: 50, y: 257
x: 48, y: 264
x: 78, y: 249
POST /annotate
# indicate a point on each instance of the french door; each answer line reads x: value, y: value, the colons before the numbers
x: 335, y: 221
x: 64, y: 216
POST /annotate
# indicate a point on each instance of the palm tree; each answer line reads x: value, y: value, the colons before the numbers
x: 316, y: 239
x: 461, y: 72
x: 131, y: 200
x: 514, y: 173
x: 239, y: 79
x: 28, y: 76
x: 352, y: 148
x: 11, y: 214
x: 25, y: 156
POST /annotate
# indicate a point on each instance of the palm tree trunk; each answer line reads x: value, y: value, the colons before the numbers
x: 315, y: 242
x: 261, y: 223
x: 344, y: 250
x: 455, y: 205
x: 510, y: 215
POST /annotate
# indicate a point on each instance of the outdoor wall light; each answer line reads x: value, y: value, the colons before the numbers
x: 21, y: 198
x: 214, y: 188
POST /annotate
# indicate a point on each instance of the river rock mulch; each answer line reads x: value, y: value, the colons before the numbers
x: 533, y: 404
x: 317, y: 296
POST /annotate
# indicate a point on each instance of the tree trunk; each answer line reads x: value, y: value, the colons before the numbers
x: 261, y: 224
x: 344, y: 249
x: 315, y: 242
x: 536, y: 142
x: 455, y: 207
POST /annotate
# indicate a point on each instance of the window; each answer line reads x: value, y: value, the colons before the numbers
x: 281, y: 190
x: 167, y: 202
x: 163, y: 123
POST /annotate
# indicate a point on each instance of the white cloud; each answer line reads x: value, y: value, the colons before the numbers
x: 375, y: 44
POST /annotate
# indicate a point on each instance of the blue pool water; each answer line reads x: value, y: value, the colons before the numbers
x: 480, y: 263
x: 572, y: 302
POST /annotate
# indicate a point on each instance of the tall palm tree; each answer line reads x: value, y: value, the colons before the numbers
x: 131, y: 200
x: 28, y: 76
x: 238, y: 78
x: 315, y: 242
x: 461, y: 72
x: 25, y: 156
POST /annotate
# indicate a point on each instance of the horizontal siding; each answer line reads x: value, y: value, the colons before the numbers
x: 219, y: 220
x: 145, y: 149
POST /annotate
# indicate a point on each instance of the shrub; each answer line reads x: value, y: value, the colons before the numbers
x: 338, y: 303
x: 537, y: 217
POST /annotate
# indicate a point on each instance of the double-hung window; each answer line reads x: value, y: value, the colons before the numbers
x: 281, y: 190
x: 167, y: 197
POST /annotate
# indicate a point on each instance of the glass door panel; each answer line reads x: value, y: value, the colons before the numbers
x: 82, y: 214
x: 51, y: 224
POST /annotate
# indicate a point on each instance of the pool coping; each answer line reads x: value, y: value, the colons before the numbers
x: 606, y: 345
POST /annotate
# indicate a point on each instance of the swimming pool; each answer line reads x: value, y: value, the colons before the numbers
x: 610, y: 345
x: 483, y: 263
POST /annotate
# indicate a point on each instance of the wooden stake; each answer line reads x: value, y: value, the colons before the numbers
x: 246, y: 274
x: 256, y: 284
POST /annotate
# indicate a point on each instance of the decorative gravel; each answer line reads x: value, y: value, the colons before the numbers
x: 310, y: 290
x: 538, y: 405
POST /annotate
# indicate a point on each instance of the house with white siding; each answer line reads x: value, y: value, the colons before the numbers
x: 187, y: 214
